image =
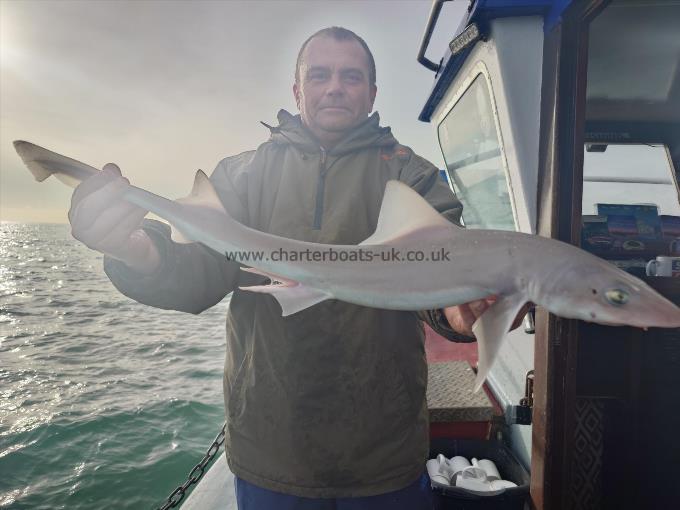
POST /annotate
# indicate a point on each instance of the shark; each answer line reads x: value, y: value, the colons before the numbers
x: 415, y: 260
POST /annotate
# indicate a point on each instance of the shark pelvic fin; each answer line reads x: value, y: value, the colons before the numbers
x: 291, y: 295
x: 202, y: 194
x: 490, y: 329
x: 178, y: 237
x: 403, y: 211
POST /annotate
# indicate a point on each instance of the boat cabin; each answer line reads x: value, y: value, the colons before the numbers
x: 562, y: 118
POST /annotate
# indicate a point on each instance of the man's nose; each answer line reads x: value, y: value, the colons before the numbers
x: 335, y: 86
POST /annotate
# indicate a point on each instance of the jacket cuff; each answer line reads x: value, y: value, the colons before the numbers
x: 437, y: 321
x: 129, y: 281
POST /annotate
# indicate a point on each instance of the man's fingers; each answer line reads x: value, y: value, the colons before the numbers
x: 109, y: 173
x: 112, y: 227
x: 462, y: 317
x: 112, y: 168
x: 117, y: 241
x: 491, y: 299
x: 85, y: 212
x: 466, y: 318
x: 478, y: 307
x: 482, y: 305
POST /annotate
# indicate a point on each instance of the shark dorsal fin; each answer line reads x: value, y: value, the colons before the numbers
x: 202, y: 194
x: 403, y: 211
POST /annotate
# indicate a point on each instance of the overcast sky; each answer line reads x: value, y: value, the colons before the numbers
x: 166, y: 87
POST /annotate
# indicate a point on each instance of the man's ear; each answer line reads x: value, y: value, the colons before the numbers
x: 373, y: 92
x: 296, y: 93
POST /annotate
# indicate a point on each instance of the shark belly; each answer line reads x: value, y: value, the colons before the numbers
x: 410, y: 299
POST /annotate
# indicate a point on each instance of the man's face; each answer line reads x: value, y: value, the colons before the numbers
x: 334, y: 93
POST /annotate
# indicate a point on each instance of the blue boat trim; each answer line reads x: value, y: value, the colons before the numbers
x: 482, y: 12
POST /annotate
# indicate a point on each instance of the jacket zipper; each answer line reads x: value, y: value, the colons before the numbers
x: 320, y: 185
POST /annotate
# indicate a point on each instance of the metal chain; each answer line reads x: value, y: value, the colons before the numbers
x: 195, y: 474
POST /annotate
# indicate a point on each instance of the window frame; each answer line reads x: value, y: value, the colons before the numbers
x: 669, y: 156
x: 480, y: 69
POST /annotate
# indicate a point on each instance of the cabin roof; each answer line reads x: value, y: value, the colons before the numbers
x: 481, y: 12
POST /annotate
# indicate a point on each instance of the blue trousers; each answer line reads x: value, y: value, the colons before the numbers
x: 417, y: 496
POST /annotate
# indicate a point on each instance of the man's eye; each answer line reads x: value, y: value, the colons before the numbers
x: 353, y: 78
x: 316, y: 76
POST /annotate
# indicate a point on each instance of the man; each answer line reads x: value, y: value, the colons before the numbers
x: 325, y: 408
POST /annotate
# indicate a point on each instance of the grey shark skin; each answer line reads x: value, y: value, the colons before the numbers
x: 516, y: 267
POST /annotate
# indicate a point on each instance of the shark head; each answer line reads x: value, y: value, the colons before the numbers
x: 602, y: 293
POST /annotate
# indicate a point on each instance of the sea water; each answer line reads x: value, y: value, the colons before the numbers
x: 104, y: 402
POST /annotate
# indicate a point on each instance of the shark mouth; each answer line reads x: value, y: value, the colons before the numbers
x: 274, y: 281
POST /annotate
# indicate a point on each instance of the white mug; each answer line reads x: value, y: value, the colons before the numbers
x: 490, y: 468
x: 664, y: 266
x: 456, y: 465
x: 474, y: 479
x: 433, y: 466
x: 497, y: 485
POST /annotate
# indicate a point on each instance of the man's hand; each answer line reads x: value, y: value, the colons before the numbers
x: 103, y: 221
x: 462, y: 317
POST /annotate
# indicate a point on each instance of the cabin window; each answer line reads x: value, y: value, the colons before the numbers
x: 631, y: 211
x: 629, y: 174
x: 472, y: 152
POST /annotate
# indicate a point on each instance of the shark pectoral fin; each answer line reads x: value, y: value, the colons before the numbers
x: 490, y: 329
x: 291, y: 295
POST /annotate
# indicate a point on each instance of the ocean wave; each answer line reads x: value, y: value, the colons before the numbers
x: 106, y: 403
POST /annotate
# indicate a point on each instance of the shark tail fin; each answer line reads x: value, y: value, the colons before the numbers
x: 403, y: 211
x: 202, y: 194
x: 42, y: 163
x: 490, y: 329
x: 291, y: 295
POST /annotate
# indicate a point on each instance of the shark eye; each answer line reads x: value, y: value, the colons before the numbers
x: 617, y: 296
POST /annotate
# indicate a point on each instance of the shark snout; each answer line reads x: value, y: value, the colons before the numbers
x: 656, y: 312
x: 670, y: 318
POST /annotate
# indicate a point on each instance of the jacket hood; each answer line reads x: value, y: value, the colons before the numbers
x: 291, y: 131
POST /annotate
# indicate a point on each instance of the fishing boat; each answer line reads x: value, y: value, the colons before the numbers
x: 560, y: 118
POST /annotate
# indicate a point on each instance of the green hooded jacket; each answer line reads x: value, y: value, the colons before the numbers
x: 328, y: 402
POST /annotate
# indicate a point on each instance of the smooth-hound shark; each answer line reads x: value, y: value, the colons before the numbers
x: 516, y: 267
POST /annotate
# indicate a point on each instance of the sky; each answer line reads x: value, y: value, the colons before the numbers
x: 163, y: 88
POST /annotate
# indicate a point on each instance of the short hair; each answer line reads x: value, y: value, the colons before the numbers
x: 339, y: 34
